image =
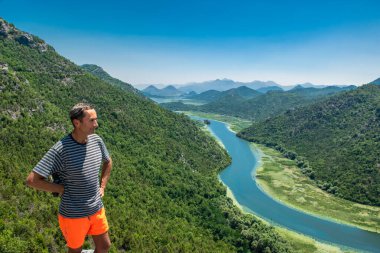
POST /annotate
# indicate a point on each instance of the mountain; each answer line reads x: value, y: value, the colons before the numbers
x: 222, y: 85
x: 99, y: 72
x: 168, y: 91
x: 257, y: 108
x: 377, y: 81
x: 227, y: 84
x: 269, y: 88
x: 310, y: 85
x: 212, y: 95
x: 163, y: 194
x: 336, y: 141
x: 261, y: 106
x: 151, y: 89
x: 242, y: 91
x: 313, y: 92
x: 209, y: 95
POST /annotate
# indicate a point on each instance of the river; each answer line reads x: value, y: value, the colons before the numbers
x: 239, y: 178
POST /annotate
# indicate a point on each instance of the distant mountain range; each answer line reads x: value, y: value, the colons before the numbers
x: 222, y: 85
x: 168, y: 91
x: 256, y: 106
x: 212, y: 95
x: 269, y: 88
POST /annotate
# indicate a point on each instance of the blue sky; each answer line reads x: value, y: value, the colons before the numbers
x: 174, y: 42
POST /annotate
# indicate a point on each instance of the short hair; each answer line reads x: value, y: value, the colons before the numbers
x: 77, y: 112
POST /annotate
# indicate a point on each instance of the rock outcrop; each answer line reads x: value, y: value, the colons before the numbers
x: 8, y: 31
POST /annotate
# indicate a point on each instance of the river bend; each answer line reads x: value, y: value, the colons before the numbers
x: 239, y: 178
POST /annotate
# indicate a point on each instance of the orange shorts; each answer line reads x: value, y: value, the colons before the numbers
x: 75, y: 229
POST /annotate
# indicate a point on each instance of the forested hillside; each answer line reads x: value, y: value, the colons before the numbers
x: 163, y: 195
x: 260, y: 106
x: 99, y: 72
x: 377, y: 81
x: 335, y: 141
x: 212, y: 95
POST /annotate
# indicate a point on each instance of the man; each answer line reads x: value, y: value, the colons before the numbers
x: 76, y: 160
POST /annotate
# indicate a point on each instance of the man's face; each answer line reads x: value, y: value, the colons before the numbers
x: 89, y: 122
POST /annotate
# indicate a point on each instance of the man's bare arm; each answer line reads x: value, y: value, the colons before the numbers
x: 37, y: 181
x: 106, y: 172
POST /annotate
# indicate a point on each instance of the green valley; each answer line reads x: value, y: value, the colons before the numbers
x: 335, y: 142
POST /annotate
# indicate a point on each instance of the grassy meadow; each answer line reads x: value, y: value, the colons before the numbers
x: 283, y: 180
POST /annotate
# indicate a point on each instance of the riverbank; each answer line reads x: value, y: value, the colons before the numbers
x: 283, y: 180
x: 300, y: 243
x: 235, y: 124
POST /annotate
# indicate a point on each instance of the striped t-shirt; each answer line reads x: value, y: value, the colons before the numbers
x: 77, y: 166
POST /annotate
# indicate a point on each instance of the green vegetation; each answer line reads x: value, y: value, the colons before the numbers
x: 207, y: 96
x: 236, y: 124
x: 302, y: 244
x: 99, y: 72
x: 377, y: 81
x: 286, y: 172
x: 283, y: 180
x: 336, y: 142
x: 260, y: 106
x: 167, y: 92
x: 163, y: 195
x: 212, y: 95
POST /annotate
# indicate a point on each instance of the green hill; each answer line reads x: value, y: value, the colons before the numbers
x: 99, y: 72
x: 208, y: 95
x: 212, y: 95
x: 377, y: 81
x: 336, y: 142
x: 260, y: 106
x: 269, y: 88
x: 242, y: 91
x: 263, y: 106
x: 163, y: 195
x: 167, y: 92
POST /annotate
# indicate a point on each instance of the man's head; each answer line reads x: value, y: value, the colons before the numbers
x: 83, y: 117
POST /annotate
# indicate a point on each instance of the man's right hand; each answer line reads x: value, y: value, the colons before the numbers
x: 58, y: 194
x: 37, y: 181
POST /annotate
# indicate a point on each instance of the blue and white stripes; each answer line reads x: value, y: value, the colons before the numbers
x: 77, y: 166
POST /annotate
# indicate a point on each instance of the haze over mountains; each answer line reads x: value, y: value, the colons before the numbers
x: 168, y: 91
x: 223, y: 84
x: 226, y: 84
x: 259, y: 106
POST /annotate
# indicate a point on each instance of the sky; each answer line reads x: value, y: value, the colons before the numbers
x: 178, y: 42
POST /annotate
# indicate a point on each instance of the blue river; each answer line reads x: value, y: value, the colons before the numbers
x: 239, y: 178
